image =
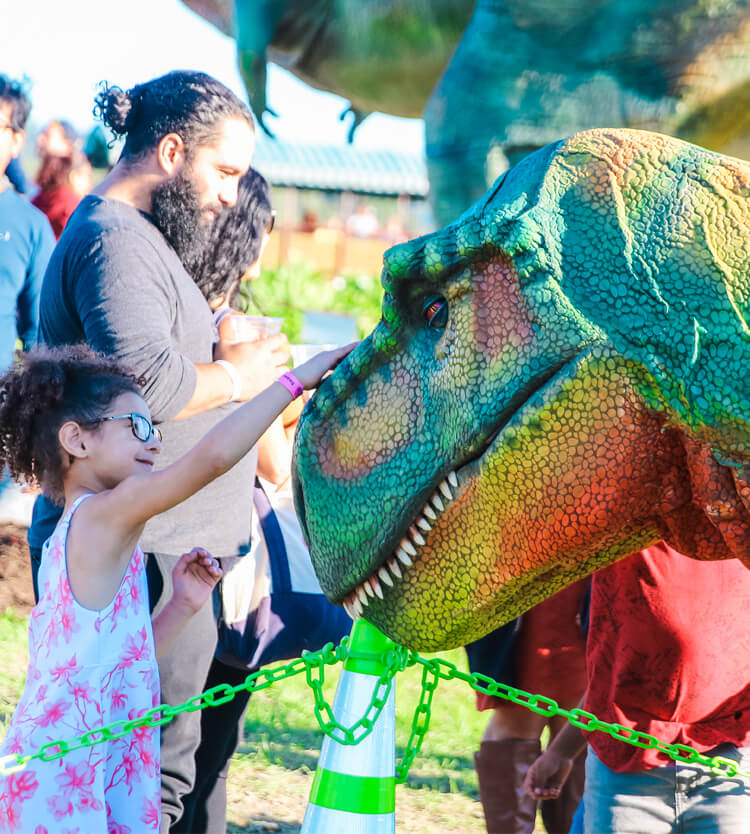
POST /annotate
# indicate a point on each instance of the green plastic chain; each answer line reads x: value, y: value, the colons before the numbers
x: 313, y: 664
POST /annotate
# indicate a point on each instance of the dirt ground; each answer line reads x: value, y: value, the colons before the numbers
x: 15, y: 572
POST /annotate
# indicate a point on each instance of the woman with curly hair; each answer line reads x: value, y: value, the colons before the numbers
x: 76, y: 423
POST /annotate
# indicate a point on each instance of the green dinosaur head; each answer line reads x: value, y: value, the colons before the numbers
x: 558, y: 379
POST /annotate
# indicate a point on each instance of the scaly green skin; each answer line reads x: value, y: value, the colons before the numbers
x: 589, y: 390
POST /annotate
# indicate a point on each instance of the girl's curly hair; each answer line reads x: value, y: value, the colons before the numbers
x: 44, y: 389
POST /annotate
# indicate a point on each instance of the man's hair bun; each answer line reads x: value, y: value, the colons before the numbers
x: 116, y: 108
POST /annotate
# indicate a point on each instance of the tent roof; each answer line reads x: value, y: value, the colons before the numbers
x: 344, y: 168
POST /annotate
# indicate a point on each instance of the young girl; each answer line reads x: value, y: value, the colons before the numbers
x: 75, y: 422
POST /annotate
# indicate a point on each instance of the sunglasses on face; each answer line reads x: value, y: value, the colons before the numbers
x: 269, y: 227
x: 142, y: 428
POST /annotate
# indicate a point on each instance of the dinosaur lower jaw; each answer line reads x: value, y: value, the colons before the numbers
x: 391, y: 572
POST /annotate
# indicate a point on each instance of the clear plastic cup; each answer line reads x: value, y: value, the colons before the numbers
x: 251, y: 328
x: 301, y: 353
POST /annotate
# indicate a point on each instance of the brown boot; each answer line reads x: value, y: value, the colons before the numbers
x: 501, y: 767
x: 558, y: 813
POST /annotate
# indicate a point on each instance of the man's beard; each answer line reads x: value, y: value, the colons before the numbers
x: 177, y: 214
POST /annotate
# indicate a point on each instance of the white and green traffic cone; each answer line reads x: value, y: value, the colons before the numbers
x: 354, y: 790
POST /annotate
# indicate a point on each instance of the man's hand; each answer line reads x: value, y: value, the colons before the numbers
x: 259, y: 363
x: 193, y: 578
x: 546, y: 777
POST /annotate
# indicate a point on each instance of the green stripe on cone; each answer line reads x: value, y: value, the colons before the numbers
x: 357, y: 794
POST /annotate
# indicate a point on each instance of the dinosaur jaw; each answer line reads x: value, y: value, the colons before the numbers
x: 393, y: 595
x: 539, y: 507
x: 385, y: 581
x: 390, y: 574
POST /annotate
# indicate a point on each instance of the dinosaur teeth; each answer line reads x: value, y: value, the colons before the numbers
x: 385, y: 576
x: 407, y: 546
x: 403, y: 556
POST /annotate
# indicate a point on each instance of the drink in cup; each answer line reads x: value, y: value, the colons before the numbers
x: 251, y: 328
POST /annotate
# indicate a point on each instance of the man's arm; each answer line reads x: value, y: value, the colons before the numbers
x: 121, y: 292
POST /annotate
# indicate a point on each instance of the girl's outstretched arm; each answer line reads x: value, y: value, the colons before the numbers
x: 130, y: 504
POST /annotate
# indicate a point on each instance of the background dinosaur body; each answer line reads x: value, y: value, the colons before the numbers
x: 496, y: 79
x: 558, y: 379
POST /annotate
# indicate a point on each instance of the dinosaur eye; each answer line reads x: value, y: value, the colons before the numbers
x: 436, y: 312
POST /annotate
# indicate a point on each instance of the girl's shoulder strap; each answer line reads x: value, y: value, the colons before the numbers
x: 76, y: 504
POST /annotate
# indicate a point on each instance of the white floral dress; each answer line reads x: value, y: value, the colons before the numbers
x: 87, y: 668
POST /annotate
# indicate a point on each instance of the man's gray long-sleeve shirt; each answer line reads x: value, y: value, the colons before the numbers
x: 115, y: 283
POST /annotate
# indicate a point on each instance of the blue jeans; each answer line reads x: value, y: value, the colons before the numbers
x: 674, y: 799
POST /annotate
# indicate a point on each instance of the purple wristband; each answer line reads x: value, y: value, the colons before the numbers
x: 291, y: 383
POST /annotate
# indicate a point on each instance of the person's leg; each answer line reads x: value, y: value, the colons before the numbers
x: 629, y: 803
x: 182, y: 670
x: 221, y: 732
x: 510, y: 745
x: 709, y: 803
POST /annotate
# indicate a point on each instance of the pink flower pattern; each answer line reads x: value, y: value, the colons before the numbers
x: 87, y: 668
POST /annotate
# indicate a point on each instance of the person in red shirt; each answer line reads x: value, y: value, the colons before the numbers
x: 57, y: 197
x: 668, y: 653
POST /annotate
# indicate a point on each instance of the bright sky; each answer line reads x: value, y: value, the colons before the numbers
x: 67, y: 46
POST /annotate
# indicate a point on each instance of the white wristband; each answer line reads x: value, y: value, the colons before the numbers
x: 234, y: 375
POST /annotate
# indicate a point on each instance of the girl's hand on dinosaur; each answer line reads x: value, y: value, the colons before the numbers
x: 310, y: 373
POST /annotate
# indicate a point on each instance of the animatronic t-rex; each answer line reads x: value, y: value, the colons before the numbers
x: 559, y: 378
x: 495, y: 79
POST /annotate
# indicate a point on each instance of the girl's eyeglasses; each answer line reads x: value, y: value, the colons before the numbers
x: 142, y: 428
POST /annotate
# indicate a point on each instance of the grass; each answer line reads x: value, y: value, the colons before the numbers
x: 271, y: 775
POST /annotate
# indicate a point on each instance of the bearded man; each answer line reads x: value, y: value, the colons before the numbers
x: 117, y: 281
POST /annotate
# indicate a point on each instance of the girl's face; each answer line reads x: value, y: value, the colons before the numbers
x: 115, y: 452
